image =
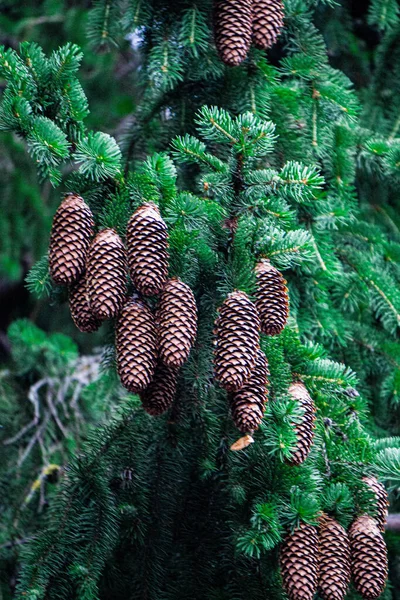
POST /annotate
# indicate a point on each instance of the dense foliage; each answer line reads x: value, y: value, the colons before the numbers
x: 292, y: 156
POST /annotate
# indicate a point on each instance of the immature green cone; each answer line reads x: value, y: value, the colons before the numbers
x: 272, y: 299
x: 305, y: 427
x: 80, y: 309
x: 267, y: 22
x: 136, y: 344
x: 71, y: 232
x: 160, y: 394
x: 382, y: 501
x: 334, y: 559
x: 248, y: 404
x: 232, y: 30
x: 147, y: 246
x: 177, y: 322
x: 369, y: 563
x: 237, y: 341
x: 106, y: 274
x: 299, y: 562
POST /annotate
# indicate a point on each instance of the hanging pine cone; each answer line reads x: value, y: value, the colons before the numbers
x: 248, y: 404
x: 136, y: 344
x: 382, y: 501
x: 160, y: 394
x: 369, y: 563
x: 72, y: 229
x: 267, y: 22
x: 237, y: 340
x: 80, y: 308
x: 232, y: 30
x: 147, y: 244
x: 177, y: 322
x: 299, y: 563
x: 272, y: 299
x: 305, y: 427
x: 333, y: 559
x: 106, y: 274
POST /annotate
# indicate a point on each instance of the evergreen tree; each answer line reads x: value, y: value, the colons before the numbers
x: 254, y: 173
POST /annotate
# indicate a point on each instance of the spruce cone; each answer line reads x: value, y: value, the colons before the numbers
x: 106, y: 274
x: 299, y: 563
x: 237, y: 340
x: 382, y: 502
x: 267, y: 22
x: 232, y: 30
x: 248, y: 404
x: 147, y: 244
x: 136, y: 343
x: 160, y: 394
x: 272, y: 299
x: 305, y: 428
x: 333, y: 559
x: 177, y: 322
x: 72, y: 229
x: 80, y: 307
x: 369, y: 563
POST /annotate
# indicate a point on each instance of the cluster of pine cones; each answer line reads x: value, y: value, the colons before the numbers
x: 238, y: 23
x: 151, y: 348
x: 326, y: 557
x: 239, y: 365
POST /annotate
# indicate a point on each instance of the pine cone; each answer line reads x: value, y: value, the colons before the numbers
x: 333, y: 559
x: 272, y: 299
x: 369, y: 563
x: 177, y: 322
x: 232, y: 30
x: 147, y: 244
x: 382, y: 501
x: 72, y: 229
x: 299, y: 563
x: 160, y: 394
x: 305, y: 427
x: 248, y: 404
x: 106, y: 274
x: 267, y: 22
x: 80, y: 307
x: 136, y: 343
x: 237, y: 340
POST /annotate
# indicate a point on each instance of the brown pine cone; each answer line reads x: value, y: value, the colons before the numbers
x: 272, y: 300
x: 299, y: 563
x: 177, y: 322
x: 237, y: 341
x: 248, y: 404
x: 160, y: 394
x: 232, y: 30
x: 382, y: 501
x: 71, y: 232
x: 80, y: 308
x: 106, y: 274
x: 369, y: 563
x: 147, y: 244
x: 267, y: 22
x: 334, y: 559
x: 305, y: 428
x: 136, y: 344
